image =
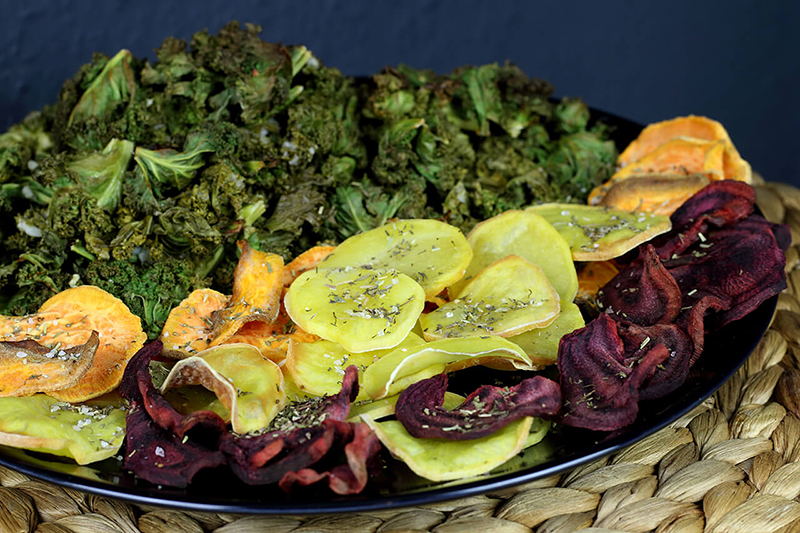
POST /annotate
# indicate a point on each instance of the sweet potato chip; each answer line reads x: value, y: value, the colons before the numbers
x: 257, y: 287
x: 599, y: 233
x: 361, y: 309
x: 529, y: 236
x: 68, y: 319
x: 506, y: 298
x: 86, y: 433
x: 188, y: 326
x: 656, y: 134
x: 660, y: 194
x: 541, y: 344
x: 420, y: 408
x: 592, y: 276
x: 430, y: 252
x: 317, y: 368
x: 249, y: 385
x: 443, y: 460
x: 27, y: 367
x: 305, y: 261
x: 680, y: 156
x: 436, y: 357
x: 272, y: 340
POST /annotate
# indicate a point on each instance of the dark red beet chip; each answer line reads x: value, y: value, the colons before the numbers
x: 488, y: 409
x: 600, y: 387
x: 158, y: 447
x: 643, y: 293
x: 672, y: 372
x: 692, y: 321
x: 348, y: 478
x: 161, y: 457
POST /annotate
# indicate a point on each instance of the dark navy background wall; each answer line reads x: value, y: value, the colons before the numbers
x: 738, y: 62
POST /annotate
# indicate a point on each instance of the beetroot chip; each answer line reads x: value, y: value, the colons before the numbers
x: 158, y: 448
x: 742, y: 266
x: 600, y: 387
x: 692, y: 321
x: 161, y: 457
x: 299, y: 437
x: 643, y: 293
x: 137, y: 387
x: 347, y: 478
x: 485, y: 411
x: 719, y: 204
x: 672, y: 372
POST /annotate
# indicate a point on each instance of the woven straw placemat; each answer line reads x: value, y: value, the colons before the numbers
x: 731, y: 465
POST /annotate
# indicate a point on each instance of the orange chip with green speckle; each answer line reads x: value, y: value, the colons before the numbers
x: 305, y: 261
x: 68, y: 319
x: 187, y: 330
x: 257, y: 288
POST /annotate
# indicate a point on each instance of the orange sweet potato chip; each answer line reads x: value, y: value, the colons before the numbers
x: 593, y: 276
x: 257, y: 287
x: 27, y: 367
x: 272, y: 340
x: 305, y: 261
x: 658, y: 133
x: 68, y: 319
x: 187, y: 330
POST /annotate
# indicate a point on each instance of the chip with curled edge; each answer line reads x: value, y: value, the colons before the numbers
x: 27, y: 367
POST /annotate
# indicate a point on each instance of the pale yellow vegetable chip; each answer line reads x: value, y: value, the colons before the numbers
x: 506, y: 298
x: 248, y: 384
x: 430, y: 252
x: 597, y: 233
x: 361, y: 309
x: 541, y: 344
x: 529, y: 236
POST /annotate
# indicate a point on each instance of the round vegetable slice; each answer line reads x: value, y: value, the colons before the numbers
x: 361, y: 309
x: 541, y: 344
x: 432, y: 253
x: 599, y: 233
x: 272, y: 340
x: 443, y: 460
x: 187, y: 330
x: 249, y: 385
x: 529, y: 236
x: 317, y: 368
x: 506, y: 298
x: 40, y: 423
x: 435, y: 357
x: 68, y: 319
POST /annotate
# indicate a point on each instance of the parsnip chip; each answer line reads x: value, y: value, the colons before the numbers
x: 541, y: 344
x: 317, y: 368
x: 436, y: 357
x: 68, y: 319
x: 361, y: 309
x: 249, y: 385
x: 40, y: 423
x: 187, y: 330
x: 430, y: 252
x: 599, y: 233
x: 27, y: 367
x: 305, y: 261
x: 506, y: 298
x: 257, y: 287
x: 529, y: 236
x: 443, y: 460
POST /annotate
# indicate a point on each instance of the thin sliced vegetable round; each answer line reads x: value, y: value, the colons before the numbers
x: 317, y: 368
x: 83, y: 432
x: 508, y: 297
x: 430, y: 252
x: 445, y: 354
x: 529, y: 236
x: 443, y: 460
x: 597, y: 233
x: 361, y: 309
x: 248, y: 384
x: 541, y: 344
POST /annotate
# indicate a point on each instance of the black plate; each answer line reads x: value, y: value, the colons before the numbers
x: 219, y: 491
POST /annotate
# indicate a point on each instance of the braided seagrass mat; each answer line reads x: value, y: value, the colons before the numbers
x: 731, y: 465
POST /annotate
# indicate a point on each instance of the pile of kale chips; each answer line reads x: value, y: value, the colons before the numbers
x: 143, y: 176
